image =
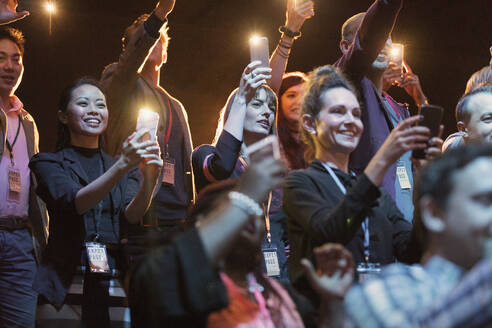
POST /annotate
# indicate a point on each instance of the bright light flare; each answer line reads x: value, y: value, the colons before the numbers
x: 396, y: 52
x: 255, y: 40
x: 50, y: 7
x: 147, y: 114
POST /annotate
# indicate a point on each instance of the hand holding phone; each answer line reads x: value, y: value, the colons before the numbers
x: 149, y: 120
x: 432, y: 117
x: 270, y: 143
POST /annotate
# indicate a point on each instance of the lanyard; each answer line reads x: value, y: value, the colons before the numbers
x: 169, y: 126
x: 10, y: 147
x: 365, y: 223
x: 98, y: 211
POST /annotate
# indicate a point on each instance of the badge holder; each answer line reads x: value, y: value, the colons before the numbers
x: 168, y: 170
x: 402, y: 174
x: 367, y: 270
x: 98, y: 258
x: 271, y: 261
x: 15, y: 187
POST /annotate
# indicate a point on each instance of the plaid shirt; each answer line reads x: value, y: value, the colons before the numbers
x: 468, y: 305
x: 400, y: 292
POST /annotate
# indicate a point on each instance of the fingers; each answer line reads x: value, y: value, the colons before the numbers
x: 251, y: 66
x: 311, y: 273
x: 408, y: 122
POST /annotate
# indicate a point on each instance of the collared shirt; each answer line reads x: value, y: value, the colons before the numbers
x: 394, y: 298
x: 468, y: 305
x: 16, y: 205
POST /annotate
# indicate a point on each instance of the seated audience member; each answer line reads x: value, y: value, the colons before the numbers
x: 474, y: 117
x: 454, y: 196
x: 87, y: 193
x: 8, y: 12
x: 248, y: 117
x: 326, y: 202
x: 179, y: 285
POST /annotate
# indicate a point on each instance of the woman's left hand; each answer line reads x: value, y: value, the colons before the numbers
x: 297, y: 13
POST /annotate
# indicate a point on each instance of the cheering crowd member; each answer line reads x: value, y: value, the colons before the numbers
x: 454, y: 200
x: 366, y: 43
x: 289, y: 104
x: 23, y: 220
x: 193, y: 288
x: 473, y: 117
x: 326, y: 203
x: 87, y: 194
x: 145, y: 44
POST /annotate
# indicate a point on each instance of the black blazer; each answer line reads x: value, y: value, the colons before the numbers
x: 318, y: 213
x: 60, y: 177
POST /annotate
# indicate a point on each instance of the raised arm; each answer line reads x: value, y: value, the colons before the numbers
x: 133, y: 152
x: 8, y: 12
x: 371, y: 37
x: 297, y: 13
x: 121, y: 76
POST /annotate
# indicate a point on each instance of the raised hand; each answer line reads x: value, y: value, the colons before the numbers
x: 297, y: 13
x: 431, y: 153
x: 134, y: 150
x: 254, y: 75
x: 164, y: 8
x: 263, y: 174
x: 8, y: 13
x: 335, y: 271
x: 411, y: 83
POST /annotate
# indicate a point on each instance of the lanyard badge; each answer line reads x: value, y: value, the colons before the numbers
x: 97, y: 257
x: 271, y: 261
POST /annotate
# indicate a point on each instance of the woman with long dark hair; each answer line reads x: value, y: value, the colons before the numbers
x: 88, y: 194
x: 289, y: 104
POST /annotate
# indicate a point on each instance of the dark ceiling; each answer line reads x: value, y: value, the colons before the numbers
x: 446, y: 41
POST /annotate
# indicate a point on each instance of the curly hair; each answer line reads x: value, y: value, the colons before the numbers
x: 13, y: 35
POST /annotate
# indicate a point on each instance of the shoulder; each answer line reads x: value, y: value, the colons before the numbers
x: 300, y: 176
x: 202, y: 151
x: 47, y: 157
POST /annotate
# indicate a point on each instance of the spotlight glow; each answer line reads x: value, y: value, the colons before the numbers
x: 50, y: 7
x: 255, y: 40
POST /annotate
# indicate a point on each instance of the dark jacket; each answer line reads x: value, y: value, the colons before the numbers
x: 60, y: 177
x: 38, y: 216
x: 318, y: 213
x: 368, y: 42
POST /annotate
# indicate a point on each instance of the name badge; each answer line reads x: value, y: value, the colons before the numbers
x: 98, y: 258
x: 401, y: 172
x: 271, y: 262
x: 14, y: 180
x: 168, y: 171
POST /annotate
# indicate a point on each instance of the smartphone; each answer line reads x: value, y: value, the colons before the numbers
x: 270, y: 143
x: 258, y: 48
x: 432, y: 119
x: 149, y: 120
x: 397, y: 52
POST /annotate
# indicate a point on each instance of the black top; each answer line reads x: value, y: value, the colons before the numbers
x: 176, y: 286
x: 171, y: 201
x: 102, y: 224
x: 318, y: 212
x: 59, y: 177
x: 215, y: 163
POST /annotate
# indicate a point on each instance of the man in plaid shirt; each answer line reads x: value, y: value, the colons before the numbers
x: 453, y: 286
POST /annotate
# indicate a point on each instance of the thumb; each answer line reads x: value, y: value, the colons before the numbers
x: 311, y: 272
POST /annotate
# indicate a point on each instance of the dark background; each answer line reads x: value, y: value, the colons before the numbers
x: 446, y: 41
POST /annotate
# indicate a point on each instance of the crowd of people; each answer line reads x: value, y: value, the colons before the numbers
x: 343, y: 226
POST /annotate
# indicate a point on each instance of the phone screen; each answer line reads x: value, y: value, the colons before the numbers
x: 258, y: 48
x: 149, y: 120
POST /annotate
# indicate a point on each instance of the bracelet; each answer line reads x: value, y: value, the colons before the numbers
x: 245, y: 203
x: 289, y: 33
x: 284, y: 45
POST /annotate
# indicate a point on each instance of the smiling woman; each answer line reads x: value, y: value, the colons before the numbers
x: 88, y: 194
x: 326, y: 202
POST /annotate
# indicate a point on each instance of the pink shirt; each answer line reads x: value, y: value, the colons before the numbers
x: 16, y: 205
